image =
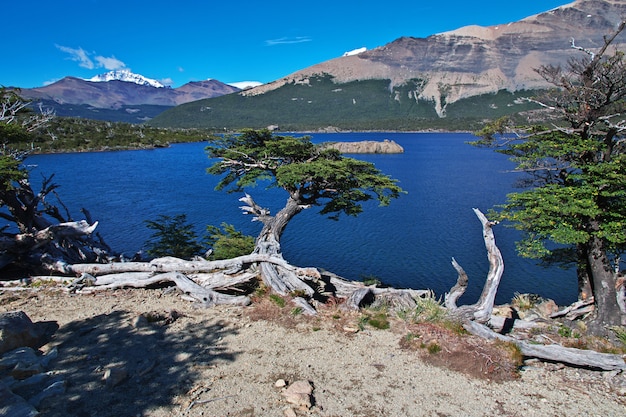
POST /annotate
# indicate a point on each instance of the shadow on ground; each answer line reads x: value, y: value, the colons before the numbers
x: 159, y: 364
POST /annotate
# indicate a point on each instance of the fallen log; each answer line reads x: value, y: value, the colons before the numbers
x: 170, y: 264
x: 207, y: 297
x: 554, y: 353
x: 577, y: 309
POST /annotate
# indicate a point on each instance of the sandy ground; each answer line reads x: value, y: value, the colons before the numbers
x: 225, y: 361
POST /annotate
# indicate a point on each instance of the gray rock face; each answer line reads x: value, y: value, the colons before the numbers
x: 475, y: 60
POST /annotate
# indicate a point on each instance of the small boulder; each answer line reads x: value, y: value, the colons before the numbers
x: 114, y: 376
x: 14, y: 405
x: 17, y: 330
x: 300, y: 394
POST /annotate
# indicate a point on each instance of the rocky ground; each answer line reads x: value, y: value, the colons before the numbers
x: 149, y: 353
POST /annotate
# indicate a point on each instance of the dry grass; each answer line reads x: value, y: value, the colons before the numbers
x: 469, y: 355
x: 437, y: 342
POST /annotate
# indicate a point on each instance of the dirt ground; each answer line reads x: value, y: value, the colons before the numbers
x: 179, y: 360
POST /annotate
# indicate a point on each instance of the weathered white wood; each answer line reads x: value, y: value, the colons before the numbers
x: 497, y: 323
x: 482, y: 309
x: 169, y: 264
x: 484, y: 306
x: 305, y: 306
x: 221, y: 281
x: 353, y: 302
x: 79, y: 228
x: 206, y: 296
x: 555, y: 353
x: 458, y: 290
x: 573, y: 307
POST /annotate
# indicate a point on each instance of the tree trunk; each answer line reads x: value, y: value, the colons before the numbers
x: 605, y: 291
x: 482, y: 309
x: 583, y: 273
x: 281, y: 280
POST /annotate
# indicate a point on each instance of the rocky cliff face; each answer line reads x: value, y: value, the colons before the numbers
x: 476, y: 60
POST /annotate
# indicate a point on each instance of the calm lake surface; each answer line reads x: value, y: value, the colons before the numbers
x: 407, y: 244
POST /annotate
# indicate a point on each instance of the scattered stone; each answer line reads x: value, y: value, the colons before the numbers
x: 25, y: 356
x: 56, y: 388
x: 300, y: 394
x: 114, y: 376
x: 546, y: 308
x: 289, y: 413
x: 139, y: 321
x: 25, y: 370
x: 13, y: 405
x: 504, y: 311
x: 280, y: 383
x: 17, y: 330
x: 48, y: 357
x: 350, y: 329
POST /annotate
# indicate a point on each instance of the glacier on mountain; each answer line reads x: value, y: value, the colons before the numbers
x: 128, y: 76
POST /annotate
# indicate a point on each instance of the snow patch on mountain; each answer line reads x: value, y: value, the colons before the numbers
x: 242, y: 85
x: 128, y: 76
x: 355, y: 51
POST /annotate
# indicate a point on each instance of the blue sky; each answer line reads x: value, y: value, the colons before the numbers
x: 231, y: 41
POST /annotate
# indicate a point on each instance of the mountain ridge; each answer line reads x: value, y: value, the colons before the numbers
x: 115, y: 93
x: 474, y: 60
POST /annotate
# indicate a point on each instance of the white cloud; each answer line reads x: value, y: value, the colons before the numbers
x: 167, y: 81
x: 110, y: 63
x: 84, y: 59
x: 79, y: 55
x: 287, y: 41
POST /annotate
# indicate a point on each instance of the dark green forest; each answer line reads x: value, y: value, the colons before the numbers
x: 358, y: 105
x: 67, y: 134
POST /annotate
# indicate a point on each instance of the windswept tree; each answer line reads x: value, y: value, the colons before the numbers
x: 39, y: 234
x: 576, y: 165
x: 312, y: 175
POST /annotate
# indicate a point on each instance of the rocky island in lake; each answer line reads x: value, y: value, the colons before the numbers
x: 367, y: 146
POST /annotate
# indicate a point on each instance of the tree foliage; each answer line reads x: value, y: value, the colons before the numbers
x: 576, y: 171
x: 310, y: 174
x: 227, y: 242
x: 40, y: 234
x: 172, y: 236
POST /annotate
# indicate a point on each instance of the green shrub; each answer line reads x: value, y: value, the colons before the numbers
x: 172, y: 236
x: 278, y: 300
x: 433, y: 348
x: 228, y: 242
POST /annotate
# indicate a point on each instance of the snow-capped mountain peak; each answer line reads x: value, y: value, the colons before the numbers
x: 128, y: 76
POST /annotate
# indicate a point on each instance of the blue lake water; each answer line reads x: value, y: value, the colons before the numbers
x: 407, y: 244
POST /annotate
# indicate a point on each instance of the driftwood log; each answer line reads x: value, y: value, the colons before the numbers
x: 554, y: 352
x: 229, y: 281
x: 476, y: 316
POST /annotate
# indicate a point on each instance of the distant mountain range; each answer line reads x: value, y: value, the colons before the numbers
x: 447, y: 80
x: 120, y: 96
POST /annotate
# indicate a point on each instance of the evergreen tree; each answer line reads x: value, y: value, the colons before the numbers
x: 575, y: 158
